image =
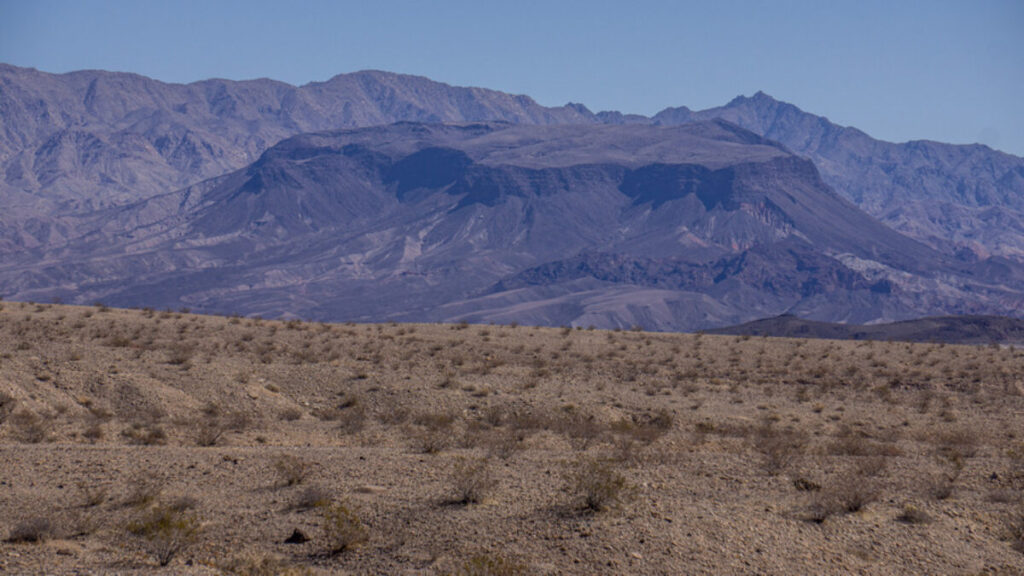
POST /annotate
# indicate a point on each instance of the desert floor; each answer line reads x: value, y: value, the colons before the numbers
x: 135, y: 438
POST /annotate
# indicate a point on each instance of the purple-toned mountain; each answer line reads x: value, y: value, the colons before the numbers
x: 680, y: 227
x: 74, y: 143
x: 967, y: 200
x: 241, y: 197
x: 71, y: 144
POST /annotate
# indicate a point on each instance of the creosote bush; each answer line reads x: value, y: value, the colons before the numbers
x: 847, y: 493
x: 35, y: 529
x: 596, y: 485
x: 29, y: 427
x: 1016, y: 529
x: 144, y: 489
x: 312, y: 497
x: 145, y: 434
x: 472, y: 481
x: 913, y: 515
x: 165, y: 532
x: 7, y: 405
x: 488, y: 565
x: 261, y: 565
x: 291, y: 470
x: 342, y: 528
x: 781, y: 449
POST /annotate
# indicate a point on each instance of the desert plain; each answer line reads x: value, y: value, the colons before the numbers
x: 162, y: 442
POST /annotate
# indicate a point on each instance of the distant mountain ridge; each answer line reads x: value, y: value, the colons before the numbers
x: 376, y: 195
x: 670, y: 227
x: 944, y: 329
x: 964, y: 198
x: 73, y: 143
x: 82, y: 141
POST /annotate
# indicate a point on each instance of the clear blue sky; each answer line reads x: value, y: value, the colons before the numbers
x: 898, y: 69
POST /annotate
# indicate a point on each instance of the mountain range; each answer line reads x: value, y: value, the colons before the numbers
x: 937, y: 329
x: 376, y: 196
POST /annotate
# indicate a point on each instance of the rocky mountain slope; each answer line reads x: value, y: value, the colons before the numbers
x: 963, y: 199
x: 74, y: 143
x: 117, y: 187
x: 77, y: 142
x: 671, y: 228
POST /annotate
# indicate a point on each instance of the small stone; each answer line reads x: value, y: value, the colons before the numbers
x: 297, y: 537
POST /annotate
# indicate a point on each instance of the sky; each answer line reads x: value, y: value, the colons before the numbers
x: 897, y: 69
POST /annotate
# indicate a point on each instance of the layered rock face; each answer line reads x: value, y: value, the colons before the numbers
x: 680, y: 227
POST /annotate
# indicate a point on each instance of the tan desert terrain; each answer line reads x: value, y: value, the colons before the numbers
x: 142, y: 442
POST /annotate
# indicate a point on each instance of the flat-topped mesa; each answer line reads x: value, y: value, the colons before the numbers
x: 684, y: 227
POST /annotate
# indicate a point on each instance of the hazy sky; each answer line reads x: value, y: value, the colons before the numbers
x: 897, y: 69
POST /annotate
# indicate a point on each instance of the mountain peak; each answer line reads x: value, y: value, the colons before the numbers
x: 581, y: 108
x: 759, y: 98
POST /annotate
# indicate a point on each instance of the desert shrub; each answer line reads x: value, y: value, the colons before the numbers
x: 351, y: 420
x: 165, y: 532
x: 941, y: 484
x: 208, y: 431
x: 643, y: 429
x: 495, y: 416
x: 260, y: 564
x: 955, y: 443
x: 849, y: 492
x: 911, y: 514
x: 312, y: 497
x: 872, y: 466
x: 342, y: 528
x: 7, y: 405
x: 432, y: 441
x: 180, y: 354
x: 595, y: 485
x: 488, y: 565
x: 472, y: 481
x: 291, y: 470
x: 780, y: 450
x: 435, y: 433
x: 1015, y: 529
x: 504, y: 443
x: 1015, y: 469
x: 804, y: 484
x: 35, y: 529
x: 1005, y: 496
x: 78, y: 522
x: 434, y: 420
x: 93, y: 431
x: 580, y: 428
x: 144, y: 489
x: 118, y: 341
x: 182, y: 503
x: 393, y: 415
x: 849, y: 442
x: 29, y: 427
x: 145, y: 434
x: 290, y: 414
x: 92, y: 494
